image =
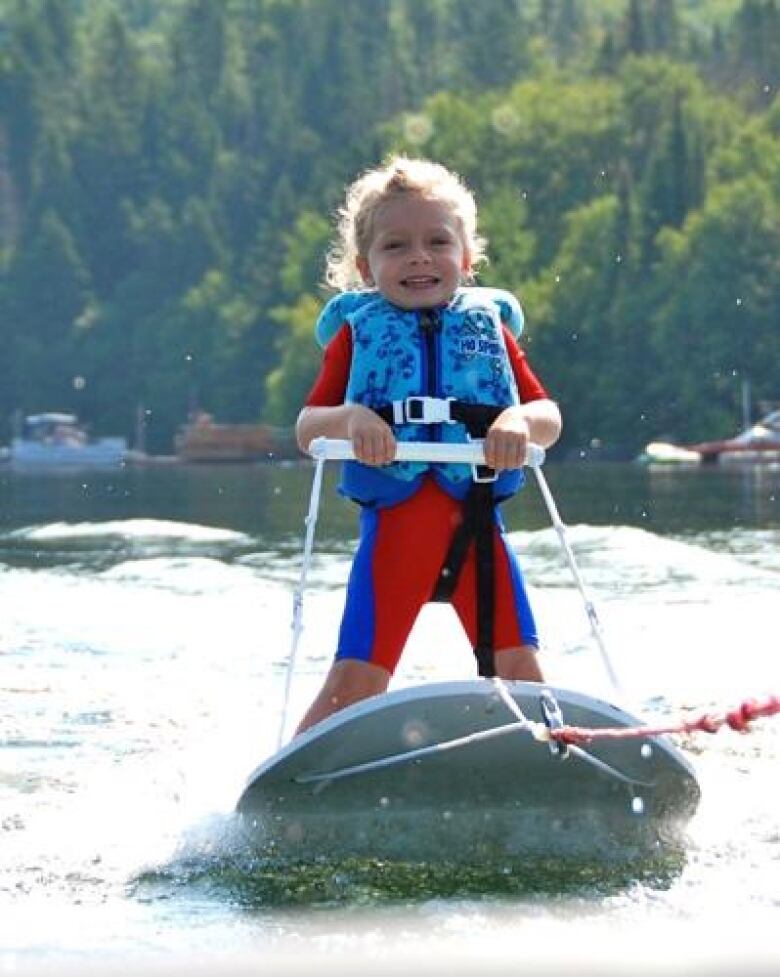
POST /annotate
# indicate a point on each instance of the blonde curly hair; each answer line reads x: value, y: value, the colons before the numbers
x: 400, y: 175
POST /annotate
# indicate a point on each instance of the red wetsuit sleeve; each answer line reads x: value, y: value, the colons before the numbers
x: 529, y: 387
x: 330, y: 386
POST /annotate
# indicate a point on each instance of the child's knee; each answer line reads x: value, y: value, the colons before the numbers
x: 519, y: 663
x: 352, y: 679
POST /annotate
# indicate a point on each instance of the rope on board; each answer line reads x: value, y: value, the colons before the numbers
x: 738, y: 719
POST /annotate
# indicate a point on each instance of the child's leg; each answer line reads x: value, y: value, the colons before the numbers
x: 348, y: 681
x: 519, y: 663
x: 397, y: 562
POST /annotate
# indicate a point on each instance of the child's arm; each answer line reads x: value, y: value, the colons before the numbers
x: 371, y: 437
x: 326, y: 415
x: 537, y: 422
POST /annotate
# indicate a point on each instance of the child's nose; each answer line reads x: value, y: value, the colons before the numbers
x: 420, y: 253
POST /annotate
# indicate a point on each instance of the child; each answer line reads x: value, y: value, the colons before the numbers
x: 412, y: 354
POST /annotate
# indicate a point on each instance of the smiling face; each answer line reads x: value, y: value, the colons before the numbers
x: 417, y: 253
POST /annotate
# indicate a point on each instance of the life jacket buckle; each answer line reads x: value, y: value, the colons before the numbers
x: 482, y: 473
x: 427, y: 410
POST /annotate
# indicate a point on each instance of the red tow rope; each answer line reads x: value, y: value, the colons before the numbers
x: 738, y: 719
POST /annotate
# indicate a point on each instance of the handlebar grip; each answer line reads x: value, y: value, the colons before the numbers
x: 441, y: 452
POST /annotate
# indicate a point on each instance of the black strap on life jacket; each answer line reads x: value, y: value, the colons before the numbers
x: 477, y: 527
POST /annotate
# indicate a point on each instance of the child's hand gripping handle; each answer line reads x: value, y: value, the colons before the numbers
x: 470, y: 453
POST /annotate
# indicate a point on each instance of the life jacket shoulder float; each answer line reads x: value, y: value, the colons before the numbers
x: 338, y: 309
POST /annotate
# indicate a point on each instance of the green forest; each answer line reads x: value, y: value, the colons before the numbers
x: 169, y: 172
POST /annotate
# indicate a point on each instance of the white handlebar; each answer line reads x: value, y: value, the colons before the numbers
x: 441, y: 452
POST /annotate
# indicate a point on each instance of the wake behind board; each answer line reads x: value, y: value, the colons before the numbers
x: 446, y: 771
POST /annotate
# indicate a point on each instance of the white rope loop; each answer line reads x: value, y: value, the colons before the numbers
x: 297, y: 618
x: 590, y: 610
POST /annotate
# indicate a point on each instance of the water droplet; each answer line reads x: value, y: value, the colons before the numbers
x: 414, y: 733
x: 418, y: 128
x: 637, y: 805
x: 646, y: 751
x: 505, y: 119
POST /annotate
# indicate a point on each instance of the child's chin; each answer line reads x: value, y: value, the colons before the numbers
x: 421, y: 298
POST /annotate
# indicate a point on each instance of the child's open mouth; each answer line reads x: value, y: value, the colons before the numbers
x: 420, y: 281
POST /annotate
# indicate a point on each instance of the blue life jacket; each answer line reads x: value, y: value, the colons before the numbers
x: 454, y: 351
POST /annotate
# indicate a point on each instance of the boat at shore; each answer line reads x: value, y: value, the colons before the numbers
x: 759, y: 443
x: 666, y: 453
x: 204, y: 440
x: 55, y: 440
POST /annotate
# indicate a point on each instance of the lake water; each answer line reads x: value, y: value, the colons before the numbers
x: 144, y: 637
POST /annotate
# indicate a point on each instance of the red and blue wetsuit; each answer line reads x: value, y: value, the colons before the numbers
x: 403, y: 545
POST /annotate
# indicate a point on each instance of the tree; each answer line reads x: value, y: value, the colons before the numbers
x: 664, y: 28
x: 667, y: 185
x: 582, y: 349
x: 493, y: 39
x: 511, y: 243
x: 198, y: 44
x: 36, y: 90
x: 569, y: 29
x: 107, y: 159
x: 47, y: 290
x: 635, y: 32
x: 288, y: 384
x: 720, y: 277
